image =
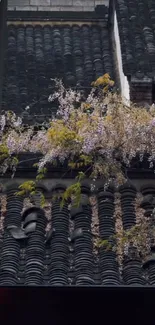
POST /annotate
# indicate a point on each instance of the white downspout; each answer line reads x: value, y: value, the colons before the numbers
x: 125, y: 88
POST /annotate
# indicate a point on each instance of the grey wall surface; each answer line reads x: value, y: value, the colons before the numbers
x: 55, y: 5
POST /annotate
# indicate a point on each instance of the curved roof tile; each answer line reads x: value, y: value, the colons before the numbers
x: 136, y: 20
x: 35, y: 54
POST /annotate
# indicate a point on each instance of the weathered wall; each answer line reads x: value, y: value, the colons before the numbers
x: 56, y: 5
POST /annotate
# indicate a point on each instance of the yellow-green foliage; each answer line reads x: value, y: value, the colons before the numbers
x: 73, y: 191
x: 83, y: 161
x: 60, y: 134
x: 87, y: 160
x: 105, y: 81
x: 100, y: 132
x: 4, y: 153
x: 27, y: 188
x: 104, y: 243
x: 80, y: 176
x: 42, y: 202
x: 128, y: 236
x: 15, y: 161
x: 41, y: 174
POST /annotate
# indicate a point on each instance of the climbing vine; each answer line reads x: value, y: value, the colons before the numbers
x: 98, y: 135
x: 136, y: 240
x: 100, y: 132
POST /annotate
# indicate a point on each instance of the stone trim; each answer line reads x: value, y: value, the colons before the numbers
x: 56, y: 5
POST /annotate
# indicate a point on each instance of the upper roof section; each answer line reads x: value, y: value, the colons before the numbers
x: 136, y: 20
x: 53, y: 39
x: 38, y: 52
x: 55, y: 5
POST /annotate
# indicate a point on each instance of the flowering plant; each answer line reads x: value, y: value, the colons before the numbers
x: 100, y: 132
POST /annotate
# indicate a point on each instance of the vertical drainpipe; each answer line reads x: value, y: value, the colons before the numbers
x: 121, y: 79
x: 111, y: 28
x: 3, y: 38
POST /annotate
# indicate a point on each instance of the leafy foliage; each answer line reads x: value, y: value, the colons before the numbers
x: 99, y: 133
x: 27, y: 188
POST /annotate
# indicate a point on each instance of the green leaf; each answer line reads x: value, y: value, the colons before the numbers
x: 80, y: 176
x: 39, y: 177
x: 35, y: 165
x: 42, y: 200
x: 27, y: 188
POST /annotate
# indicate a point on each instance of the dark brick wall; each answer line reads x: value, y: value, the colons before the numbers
x: 141, y: 91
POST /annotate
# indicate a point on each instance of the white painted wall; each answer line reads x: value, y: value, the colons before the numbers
x: 125, y: 88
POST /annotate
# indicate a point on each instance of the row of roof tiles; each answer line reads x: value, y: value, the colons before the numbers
x: 64, y: 254
x: 35, y: 54
x: 136, y: 20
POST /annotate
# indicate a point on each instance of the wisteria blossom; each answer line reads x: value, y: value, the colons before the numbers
x: 99, y: 131
x: 2, y: 122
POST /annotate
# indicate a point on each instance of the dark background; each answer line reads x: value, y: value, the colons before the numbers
x: 80, y: 306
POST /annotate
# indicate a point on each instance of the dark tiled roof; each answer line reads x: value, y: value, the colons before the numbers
x: 67, y: 256
x: 36, y: 53
x: 136, y: 19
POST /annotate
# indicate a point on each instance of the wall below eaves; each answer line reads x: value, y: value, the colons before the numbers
x: 55, y: 5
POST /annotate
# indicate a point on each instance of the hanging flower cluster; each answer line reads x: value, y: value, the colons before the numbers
x: 100, y: 132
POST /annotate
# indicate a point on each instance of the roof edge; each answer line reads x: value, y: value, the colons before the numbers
x: 100, y: 13
x: 27, y: 160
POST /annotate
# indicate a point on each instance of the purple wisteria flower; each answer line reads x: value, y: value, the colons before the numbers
x: 2, y: 122
x: 153, y: 122
x: 89, y: 144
